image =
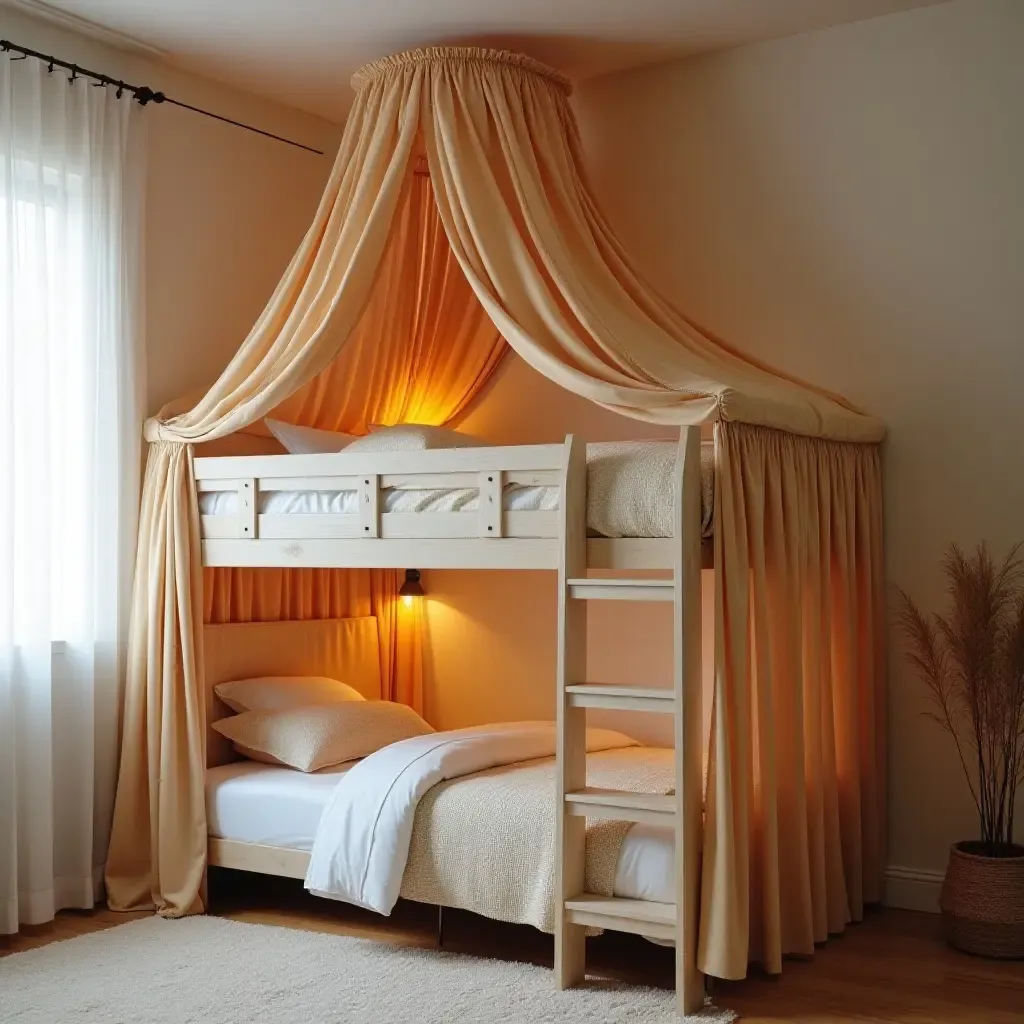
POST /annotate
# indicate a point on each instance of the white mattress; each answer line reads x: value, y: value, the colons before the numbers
x: 258, y: 803
x: 261, y: 803
x: 629, y: 493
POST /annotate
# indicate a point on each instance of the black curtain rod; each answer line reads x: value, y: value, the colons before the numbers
x: 142, y: 93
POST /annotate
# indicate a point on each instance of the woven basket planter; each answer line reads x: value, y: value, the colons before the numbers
x: 983, y: 902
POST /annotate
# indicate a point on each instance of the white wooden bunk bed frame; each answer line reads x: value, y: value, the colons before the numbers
x: 493, y: 538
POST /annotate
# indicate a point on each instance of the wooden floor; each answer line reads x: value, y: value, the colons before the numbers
x: 892, y: 969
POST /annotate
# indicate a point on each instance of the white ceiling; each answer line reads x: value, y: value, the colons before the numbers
x: 303, y: 52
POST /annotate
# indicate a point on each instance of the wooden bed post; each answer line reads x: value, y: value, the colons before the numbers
x: 687, y: 683
x: 570, y: 939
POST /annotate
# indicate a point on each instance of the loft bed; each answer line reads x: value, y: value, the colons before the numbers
x: 428, y: 257
x: 336, y: 510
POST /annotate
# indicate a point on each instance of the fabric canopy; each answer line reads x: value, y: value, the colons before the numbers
x: 796, y: 736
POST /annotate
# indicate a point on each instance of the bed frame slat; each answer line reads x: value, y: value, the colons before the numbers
x: 309, y: 483
x: 525, y: 457
x: 265, y: 860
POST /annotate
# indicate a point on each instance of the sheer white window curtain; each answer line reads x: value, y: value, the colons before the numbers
x: 70, y: 415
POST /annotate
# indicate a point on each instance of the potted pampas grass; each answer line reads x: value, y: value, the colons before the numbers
x: 971, y: 661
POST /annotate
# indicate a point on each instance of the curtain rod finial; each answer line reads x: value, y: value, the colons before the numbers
x: 146, y: 95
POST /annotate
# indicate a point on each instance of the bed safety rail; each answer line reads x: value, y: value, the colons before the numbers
x: 238, y: 532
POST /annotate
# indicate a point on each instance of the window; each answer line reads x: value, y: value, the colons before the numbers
x: 47, y: 387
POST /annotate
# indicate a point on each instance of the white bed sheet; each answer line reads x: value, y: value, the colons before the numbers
x: 261, y: 803
x: 629, y: 493
x: 257, y: 803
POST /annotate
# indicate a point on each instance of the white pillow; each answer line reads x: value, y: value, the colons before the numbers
x: 412, y: 437
x: 307, y: 440
x: 275, y: 693
x: 318, y: 737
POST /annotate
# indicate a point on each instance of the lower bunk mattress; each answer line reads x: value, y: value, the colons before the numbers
x: 629, y: 493
x: 279, y: 807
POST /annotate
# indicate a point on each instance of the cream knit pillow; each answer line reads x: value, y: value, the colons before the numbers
x: 412, y: 437
x: 275, y: 693
x: 310, y: 738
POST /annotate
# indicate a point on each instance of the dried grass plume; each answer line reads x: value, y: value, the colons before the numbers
x: 971, y: 661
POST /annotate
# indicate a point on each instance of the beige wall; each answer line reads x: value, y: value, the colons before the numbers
x: 848, y: 205
x: 225, y: 208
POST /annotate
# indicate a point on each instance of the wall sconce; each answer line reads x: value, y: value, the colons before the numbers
x: 411, y: 588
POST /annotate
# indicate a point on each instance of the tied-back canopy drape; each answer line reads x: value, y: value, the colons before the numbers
x: 794, y: 816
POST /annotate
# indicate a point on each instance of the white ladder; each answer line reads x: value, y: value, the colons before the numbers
x: 576, y: 909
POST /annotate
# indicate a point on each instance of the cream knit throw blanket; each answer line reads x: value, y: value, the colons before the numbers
x: 486, y: 842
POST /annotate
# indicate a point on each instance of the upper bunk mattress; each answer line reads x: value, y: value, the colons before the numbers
x: 629, y: 493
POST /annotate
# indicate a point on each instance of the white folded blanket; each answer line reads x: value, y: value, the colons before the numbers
x: 362, y: 844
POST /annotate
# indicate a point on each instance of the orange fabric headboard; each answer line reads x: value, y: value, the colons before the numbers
x: 345, y: 649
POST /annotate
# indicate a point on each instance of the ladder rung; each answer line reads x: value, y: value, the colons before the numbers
x: 640, y: 917
x: 621, y: 590
x: 619, y: 805
x: 622, y: 698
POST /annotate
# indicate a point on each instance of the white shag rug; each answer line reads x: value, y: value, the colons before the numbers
x: 205, y: 970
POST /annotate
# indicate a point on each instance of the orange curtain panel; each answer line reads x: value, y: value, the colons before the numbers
x: 424, y: 346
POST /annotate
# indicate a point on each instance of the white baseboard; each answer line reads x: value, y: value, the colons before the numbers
x: 913, y: 888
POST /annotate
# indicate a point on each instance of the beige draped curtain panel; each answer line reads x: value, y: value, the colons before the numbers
x: 795, y: 816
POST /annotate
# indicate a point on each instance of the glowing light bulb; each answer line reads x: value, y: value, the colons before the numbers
x: 411, y: 588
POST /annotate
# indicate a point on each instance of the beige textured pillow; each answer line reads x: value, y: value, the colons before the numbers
x: 275, y: 693
x: 412, y: 437
x: 317, y: 737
